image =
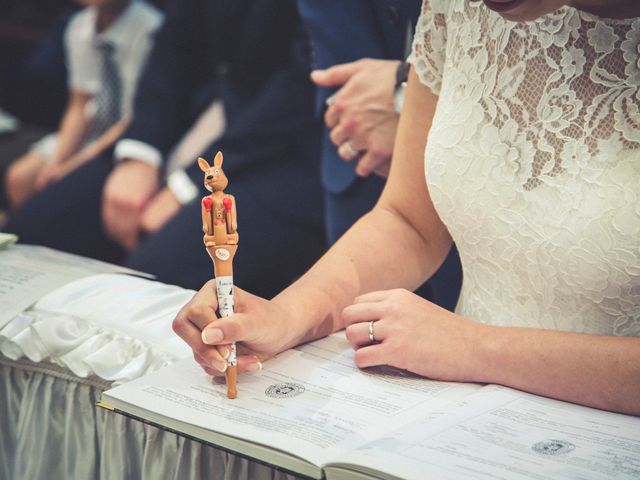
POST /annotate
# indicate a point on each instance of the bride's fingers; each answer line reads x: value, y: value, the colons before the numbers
x: 371, y: 356
x: 365, y: 333
x: 201, y: 309
x: 261, y: 356
x: 245, y: 364
x: 376, y: 296
x: 249, y: 363
x: 362, y: 312
x: 203, y: 364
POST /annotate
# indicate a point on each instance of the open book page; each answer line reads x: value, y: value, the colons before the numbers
x: 28, y: 272
x: 500, y: 433
x: 312, y: 402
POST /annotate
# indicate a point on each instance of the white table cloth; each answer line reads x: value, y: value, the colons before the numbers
x: 56, y: 359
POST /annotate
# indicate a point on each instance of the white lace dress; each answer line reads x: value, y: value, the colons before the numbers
x: 533, y: 163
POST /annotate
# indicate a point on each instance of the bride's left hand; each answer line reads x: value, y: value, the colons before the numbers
x: 414, y: 334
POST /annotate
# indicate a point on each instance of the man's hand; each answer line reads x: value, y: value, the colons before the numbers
x: 47, y: 175
x: 361, y: 114
x: 159, y: 211
x: 55, y: 171
x: 126, y: 193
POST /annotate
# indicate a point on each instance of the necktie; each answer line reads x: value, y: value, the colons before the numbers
x: 107, y: 99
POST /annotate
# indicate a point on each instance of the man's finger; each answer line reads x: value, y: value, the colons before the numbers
x: 121, y: 224
x: 383, y: 170
x: 338, y: 136
x: 108, y: 216
x: 332, y: 116
x: 369, y: 163
x: 336, y: 75
x: 347, y: 152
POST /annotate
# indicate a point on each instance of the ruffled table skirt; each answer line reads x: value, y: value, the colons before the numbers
x: 59, y: 356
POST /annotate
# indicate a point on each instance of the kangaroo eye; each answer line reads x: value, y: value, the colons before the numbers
x: 216, y: 172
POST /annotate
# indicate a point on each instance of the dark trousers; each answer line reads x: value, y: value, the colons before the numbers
x: 343, y: 209
x: 279, y: 221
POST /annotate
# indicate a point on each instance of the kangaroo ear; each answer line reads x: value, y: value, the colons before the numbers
x: 204, y: 166
x: 217, y: 161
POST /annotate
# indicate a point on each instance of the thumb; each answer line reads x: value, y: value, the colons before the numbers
x: 239, y: 327
x: 336, y: 75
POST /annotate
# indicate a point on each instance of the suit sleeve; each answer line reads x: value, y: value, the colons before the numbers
x: 193, y: 42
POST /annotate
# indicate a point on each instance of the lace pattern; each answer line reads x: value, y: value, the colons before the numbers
x: 533, y: 162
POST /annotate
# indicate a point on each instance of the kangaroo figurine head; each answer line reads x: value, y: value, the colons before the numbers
x: 214, y: 178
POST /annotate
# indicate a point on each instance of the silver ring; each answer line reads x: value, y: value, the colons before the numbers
x: 330, y: 100
x: 350, y: 150
x: 372, y: 338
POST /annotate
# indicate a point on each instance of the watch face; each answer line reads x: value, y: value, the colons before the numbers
x: 398, y: 96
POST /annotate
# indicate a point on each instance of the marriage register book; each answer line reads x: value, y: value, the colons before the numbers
x: 310, y: 411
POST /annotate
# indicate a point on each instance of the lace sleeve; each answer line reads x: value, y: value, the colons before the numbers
x: 429, y: 44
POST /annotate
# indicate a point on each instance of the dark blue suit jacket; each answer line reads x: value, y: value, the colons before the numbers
x: 344, y: 31
x: 252, y: 54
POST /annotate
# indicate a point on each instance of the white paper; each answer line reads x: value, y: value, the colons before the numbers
x: 28, y: 272
x: 500, y: 433
x: 311, y: 401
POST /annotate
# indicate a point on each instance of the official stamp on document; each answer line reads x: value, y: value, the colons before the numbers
x: 284, y: 390
x: 553, y: 447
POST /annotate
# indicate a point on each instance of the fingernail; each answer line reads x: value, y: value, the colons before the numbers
x: 254, y: 367
x: 226, y: 352
x: 211, y: 336
x: 221, y: 366
x: 318, y: 73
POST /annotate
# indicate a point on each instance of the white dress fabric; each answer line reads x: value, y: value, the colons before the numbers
x: 533, y: 163
x: 55, y: 360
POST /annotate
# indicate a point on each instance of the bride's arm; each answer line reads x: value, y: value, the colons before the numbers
x: 599, y: 371
x: 414, y: 334
x: 399, y: 243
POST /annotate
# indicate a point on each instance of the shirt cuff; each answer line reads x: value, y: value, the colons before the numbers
x: 181, y: 186
x: 135, y: 149
x: 46, y: 147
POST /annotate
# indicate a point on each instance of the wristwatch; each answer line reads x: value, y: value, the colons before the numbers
x: 402, y: 75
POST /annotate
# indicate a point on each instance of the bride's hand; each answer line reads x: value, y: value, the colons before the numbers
x: 413, y: 334
x: 260, y: 325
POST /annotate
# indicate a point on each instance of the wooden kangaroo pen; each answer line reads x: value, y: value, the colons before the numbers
x: 219, y: 224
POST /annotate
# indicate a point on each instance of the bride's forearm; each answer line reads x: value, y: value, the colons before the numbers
x: 592, y: 370
x: 400, y: 243
x: 381, y: 251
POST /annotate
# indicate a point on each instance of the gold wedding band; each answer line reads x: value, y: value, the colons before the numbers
x: 372, y: 338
